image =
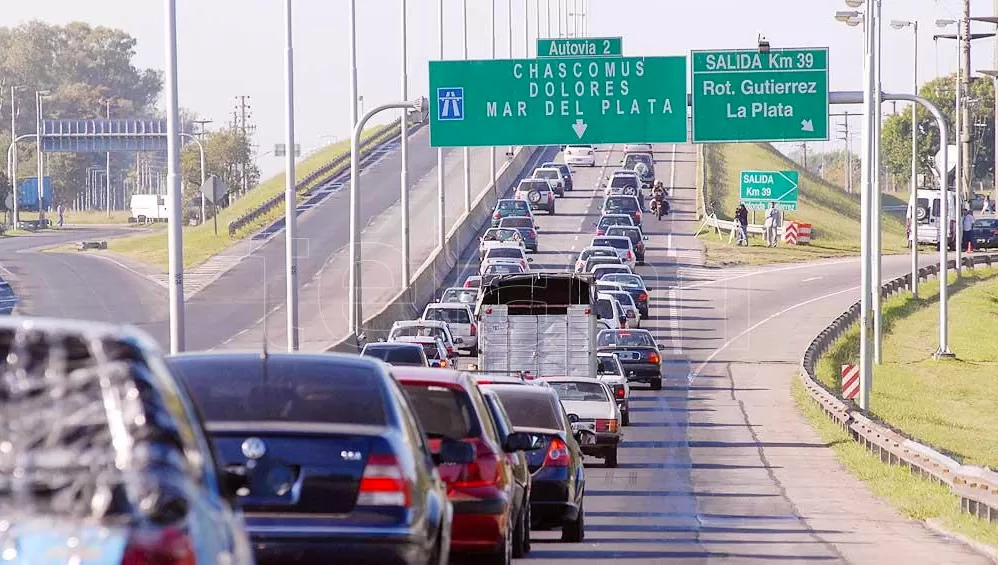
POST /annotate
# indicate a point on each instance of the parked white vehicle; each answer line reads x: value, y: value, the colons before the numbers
x: 580, y: 155
x: 927, y: 214
x: 459, y: 317
x: 149, y: 208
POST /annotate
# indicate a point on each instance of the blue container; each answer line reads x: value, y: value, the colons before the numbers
x: 27, y: 193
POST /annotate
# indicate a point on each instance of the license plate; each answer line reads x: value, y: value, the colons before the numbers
x: 629, y: 356
x: 576, y: 426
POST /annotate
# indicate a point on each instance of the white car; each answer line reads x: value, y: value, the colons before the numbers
x: 626, y: 302
x: 623, y: 245
x: 459, y: 317
x: 593, y: 413
x: 460, y: 295
x: 585, y: 254
x: 505, y: 255
x: 426, y: 328
x: 538, y: 193
x: 499, y: 237
x: 580, y: 155
x: 638, y: 147
x: 623, y: 182
x: 601, y: 270
x: 607, y: 308
x: 554, y: 176
x: 610, y: 371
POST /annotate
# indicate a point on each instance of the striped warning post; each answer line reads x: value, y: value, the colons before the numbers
x: 790, y: 232
x: 850, y: 381
x: 803, y: 233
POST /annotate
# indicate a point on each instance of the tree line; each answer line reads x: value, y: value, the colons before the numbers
x: 88, y: 72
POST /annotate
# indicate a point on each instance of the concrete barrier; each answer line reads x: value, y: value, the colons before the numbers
x: 409, y: 303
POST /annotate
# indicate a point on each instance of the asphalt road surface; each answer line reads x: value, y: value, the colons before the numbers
x: 78, y: 285
x: 719, y: 466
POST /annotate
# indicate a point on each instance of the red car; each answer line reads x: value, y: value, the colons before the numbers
x: 491, y: 509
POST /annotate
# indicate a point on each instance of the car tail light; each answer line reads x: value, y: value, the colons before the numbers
x: 383, y: 483
x: 497, y: 216
x: 623, y: 325
x: 443, y: 362
x: 557, y: 455
x: 994, y: 232
x: 488, y: 310
x: 588, y: 311
x: 606, y: 425
x: 653, y: 357
x: 467, y: 284
x: 523, y: 263
x: 600, y: 231
x: 484, y: 471
x: 637, y: 216
x: 643, y: 296
x: 618, y: 391
x: 629, y: 256
x: 169, y: 546
x: 474, y: 329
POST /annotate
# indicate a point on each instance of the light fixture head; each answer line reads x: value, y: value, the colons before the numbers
x: 845, y: 15
x: 944, y: 23
x: 855, y: 3
x: 900, y: 24
x: 853, y: 22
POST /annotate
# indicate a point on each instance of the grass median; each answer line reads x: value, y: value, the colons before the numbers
x: 200, y: 242
x: 946, y: 404
x: 833, y: 213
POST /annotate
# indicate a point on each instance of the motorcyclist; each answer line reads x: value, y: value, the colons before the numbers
x: 660, y: 205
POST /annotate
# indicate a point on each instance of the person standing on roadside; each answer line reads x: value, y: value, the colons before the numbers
x: 968, y: 227
x: 741, y: 222
x: 62, y: 212
x: 772, y: 225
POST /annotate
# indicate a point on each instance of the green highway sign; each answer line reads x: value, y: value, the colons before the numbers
x: 581, y: 47
x: 759, y: 188
x: 558, y: 101
x: 779, y: 95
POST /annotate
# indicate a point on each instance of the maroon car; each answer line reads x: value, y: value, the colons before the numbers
x: 491, y: 510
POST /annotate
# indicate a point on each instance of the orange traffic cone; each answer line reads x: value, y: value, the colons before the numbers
x: 970, y: 247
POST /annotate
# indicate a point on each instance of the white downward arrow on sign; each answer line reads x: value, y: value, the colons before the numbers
x: 580, y: 128
x: 806, y: 125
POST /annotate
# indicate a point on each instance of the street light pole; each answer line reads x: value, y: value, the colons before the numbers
x: 866, y: 194
x: 12, y: 161
x: 876, y: 232
x: 466, y: 150
x: 175, y: 244
x: 107, y: 171
x: 290, y: 198
x: 492, y: 150
x: 547, y: 16
x: 913, y: 182
x: 958, y: 132
x: 38, y: 148
x: 406, y: 272
x: 355, y: 250
x: 441, y: 195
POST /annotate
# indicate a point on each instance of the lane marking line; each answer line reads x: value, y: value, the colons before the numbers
x: 675, y: 330
x: 763, y: 322
x: 811, y: 279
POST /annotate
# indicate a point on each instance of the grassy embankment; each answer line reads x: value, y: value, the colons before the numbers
x: 833, y: 213
x: 947, y: 404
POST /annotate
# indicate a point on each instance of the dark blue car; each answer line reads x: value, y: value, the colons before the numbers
x: 337, y: 469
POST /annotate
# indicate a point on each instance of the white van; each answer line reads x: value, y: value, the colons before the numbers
x: 927, y: 214
x: 460, y: 318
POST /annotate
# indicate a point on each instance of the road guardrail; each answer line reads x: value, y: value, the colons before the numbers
x: 977, y: 487
x: 337, y: 166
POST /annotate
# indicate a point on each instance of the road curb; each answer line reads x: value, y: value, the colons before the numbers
x: 982, y: 548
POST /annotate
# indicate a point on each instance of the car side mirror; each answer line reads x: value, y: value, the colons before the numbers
x: 530, y: 259
x: 456, y: 452
x: 661, y: 347
x: 645, y: 238
x: 519, y: 441
x: 458, y: 340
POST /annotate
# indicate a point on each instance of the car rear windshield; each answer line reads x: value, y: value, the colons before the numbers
x: 506, y: 252
x: 628, y: 280
x: 512, y: 205
x: 580, y: 391
x: 593, y: 253
x: 622, y: 297
x: 593, y: 261
x: 614, y: 242
x: 395, y: 355
x: 501, y: 235
x: 527, y: 409
x: 986, y: 224
x: 586, y: 147
x: 539, y: 186
x: 604, y: 309
x: 290, y: 390
x: 503, y: 269
x: 464, y: 296
x: 632, y: 160
x: 623, y: 180
x: 631, y: 233
x: 415, y: 331
x: 547, y: 174
x: 449, y: 315
x: 443, y: 411
x: 628, y: 203
x: 608, y: 366
x: 624, y: 339
x: 517, y: 222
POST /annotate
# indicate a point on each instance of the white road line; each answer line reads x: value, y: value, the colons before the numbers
x: 766, y: 271
x: 811, y: 279
x: 671, y: 250
x: 676, y: 337
x: 759, y: 324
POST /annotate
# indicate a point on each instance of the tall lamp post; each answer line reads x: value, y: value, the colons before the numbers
x: 12, y: 163
x: 290, y: 198
x: 40, y: 95
x: 958, y: 130
x: 175, y: 240
x: 466, y: 151
x: 912, y: 199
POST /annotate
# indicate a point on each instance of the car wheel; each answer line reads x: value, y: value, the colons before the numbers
x: 521, y: 543
x: 611, y: 458
x: 473, y: 352
x: 656, y: 384
x: 504, y: 553
x: 575, y: 531
x: 625, y: 418
x: 551, y: 211
x: 438, y: 556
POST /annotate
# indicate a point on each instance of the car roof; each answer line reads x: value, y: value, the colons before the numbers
x: 410, y: 323
x: 535, y: 390
x: 432, y: 375
x: 571, y: 379
x: 393, y: 345
x: 627, y: 172
x: 627, y: 331
x: 443, y: 305
x: 416, y: 339
x: 613, y: 237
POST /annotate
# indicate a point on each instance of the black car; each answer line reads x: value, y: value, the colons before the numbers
x: 397, y: 353
x: 623, y: 204
x: 565, y: 172
x: 984, y: 234
x: 635, y: 286
x: 637, y: 240
x: 518, y: 463
x: 638, y: 353
x: 524, y: 225
x: 334, y: 462
x: 558, y: 478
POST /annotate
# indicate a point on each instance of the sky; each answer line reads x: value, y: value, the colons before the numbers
x: 228, y: 48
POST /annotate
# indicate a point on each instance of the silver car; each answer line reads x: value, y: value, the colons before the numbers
x: 593, y: 413
x: 611, y: 372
